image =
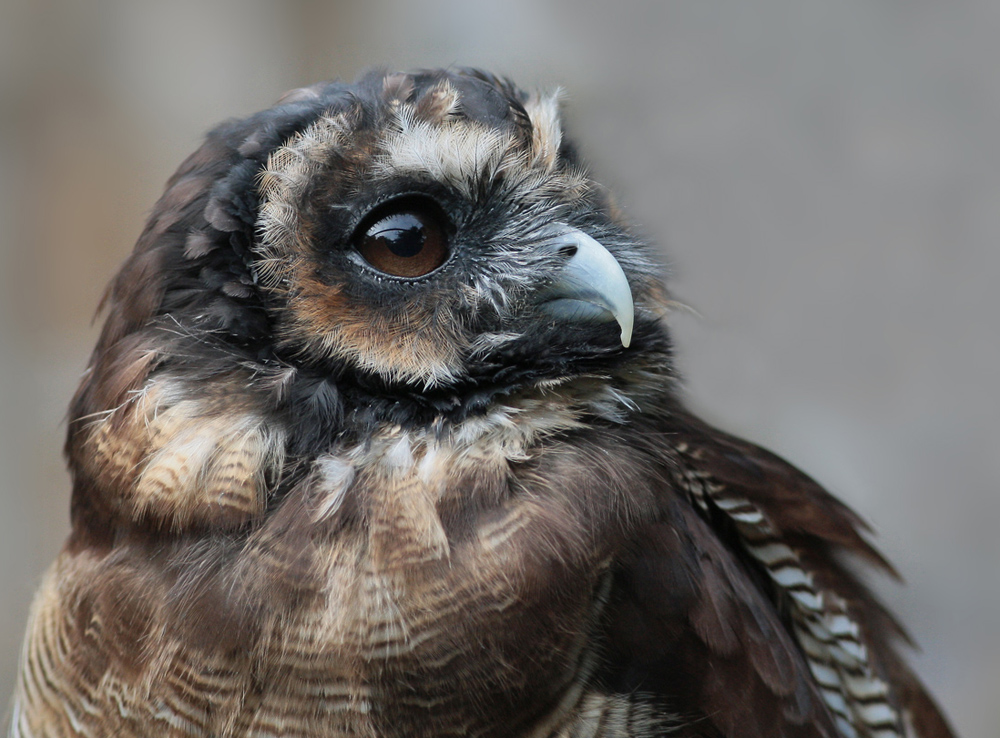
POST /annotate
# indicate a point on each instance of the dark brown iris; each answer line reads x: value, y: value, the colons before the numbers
x: 406, y: 242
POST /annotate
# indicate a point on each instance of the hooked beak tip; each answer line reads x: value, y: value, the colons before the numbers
x: 591, y: 285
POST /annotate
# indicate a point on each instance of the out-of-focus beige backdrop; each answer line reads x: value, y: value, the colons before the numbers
x: 825, y: 177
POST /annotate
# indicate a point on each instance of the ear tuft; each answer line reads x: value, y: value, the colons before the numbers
x: 546, y: 138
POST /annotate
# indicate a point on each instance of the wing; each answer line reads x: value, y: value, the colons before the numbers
x: 742, y: 589
x: 688, y: 621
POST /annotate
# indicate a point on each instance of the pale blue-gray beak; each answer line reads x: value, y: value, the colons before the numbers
x: 591, y: 286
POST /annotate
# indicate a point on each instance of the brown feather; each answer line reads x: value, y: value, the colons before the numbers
x: 312, y: 499
x: 734, y: 666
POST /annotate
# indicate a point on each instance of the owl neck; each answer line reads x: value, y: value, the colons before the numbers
x: 325, y: 403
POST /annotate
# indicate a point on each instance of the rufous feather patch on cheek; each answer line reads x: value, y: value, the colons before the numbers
x: 412, y: 343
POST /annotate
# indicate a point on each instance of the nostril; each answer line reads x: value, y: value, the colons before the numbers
x: 568, y: 251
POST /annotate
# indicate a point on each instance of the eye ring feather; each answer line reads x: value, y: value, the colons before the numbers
x: 406, y: 238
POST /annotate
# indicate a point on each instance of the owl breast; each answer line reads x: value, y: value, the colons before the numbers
x: 421, y: 591
x: 391, y: 592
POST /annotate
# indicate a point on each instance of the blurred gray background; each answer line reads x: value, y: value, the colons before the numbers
x: 824, y: 177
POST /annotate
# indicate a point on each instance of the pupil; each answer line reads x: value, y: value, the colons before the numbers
x: 406, y: 239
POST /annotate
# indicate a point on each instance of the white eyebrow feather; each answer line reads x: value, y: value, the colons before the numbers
x: 458, y: 153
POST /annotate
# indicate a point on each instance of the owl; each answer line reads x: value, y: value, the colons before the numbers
x: 382, y: 438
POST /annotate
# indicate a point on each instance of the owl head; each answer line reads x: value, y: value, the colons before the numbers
x: 427, y: 229
x: 413, y: 249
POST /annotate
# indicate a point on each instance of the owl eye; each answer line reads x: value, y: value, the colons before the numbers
x: 409, y: 240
